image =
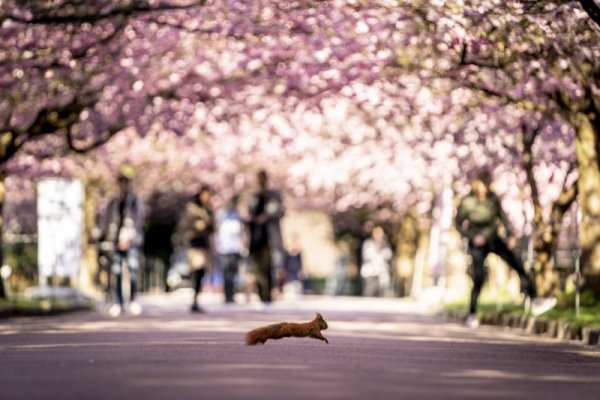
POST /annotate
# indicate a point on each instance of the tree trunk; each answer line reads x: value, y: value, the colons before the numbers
x: 546, y: 230
x: 546, y: 241
x: 2, y: 196
x: 90, y: 276
x: 546, y: 278
x: 406, y: 249
x: 586, y: 147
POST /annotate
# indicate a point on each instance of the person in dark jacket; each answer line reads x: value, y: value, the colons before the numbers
x: 123, y: 230
x: 478, y: 219
x: 265, y: 211
x: 195, y: 230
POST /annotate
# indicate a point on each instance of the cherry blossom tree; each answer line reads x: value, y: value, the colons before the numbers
x: 352, y: 103
x: 543, y: 57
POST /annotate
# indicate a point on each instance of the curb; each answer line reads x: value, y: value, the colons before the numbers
x: 558, y: 329
x: 43, y: 309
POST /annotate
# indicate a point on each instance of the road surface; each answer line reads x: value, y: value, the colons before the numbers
x: 379, y: 349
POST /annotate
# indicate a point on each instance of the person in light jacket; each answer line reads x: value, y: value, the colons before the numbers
x: 229, y: 243
x: 375, y: 269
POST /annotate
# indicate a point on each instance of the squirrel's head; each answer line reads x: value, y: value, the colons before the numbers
x: 322, y: 322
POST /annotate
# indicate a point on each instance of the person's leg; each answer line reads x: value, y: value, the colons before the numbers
x: 230, y: 267
x: 116, y: 268
x: 478, y: 274
x: 197, y: 259
x: 261, y: 284
x: 268, y: 275
x: 264, y: 280
x: 133, y: 284
x: 234, y: 267
x: 119, y: 288
x: 133, y: 263
x: 198, y: 275
x: 370, y: 286
x: 501, y: 249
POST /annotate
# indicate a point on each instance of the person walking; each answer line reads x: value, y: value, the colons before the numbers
x: 478, y: 219
x: 265, y: 211
x: 195, y: 230
x: 375, y: 268
x: 229, y: 244
x: 123, y: 230
x: 294, y: 274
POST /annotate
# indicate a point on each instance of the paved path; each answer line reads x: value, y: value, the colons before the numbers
x: 379, y: 349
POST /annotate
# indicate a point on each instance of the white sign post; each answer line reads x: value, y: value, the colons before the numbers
x: 60, y: 228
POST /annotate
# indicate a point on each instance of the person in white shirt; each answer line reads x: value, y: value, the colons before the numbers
x: 229, y: 244
x: 375, y: 269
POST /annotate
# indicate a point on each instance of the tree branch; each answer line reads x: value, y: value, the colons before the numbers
x: 592, y: 9
x: 48, y: 121
x: 12, y: 147
x: 562, y: 204
x: 181, y: 27
x: 529, y: 135
x: 107, y: 135
x: 85, y: 51
x: 80, y: 16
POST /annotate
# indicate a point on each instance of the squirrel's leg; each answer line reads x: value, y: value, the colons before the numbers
x: 318, y: 335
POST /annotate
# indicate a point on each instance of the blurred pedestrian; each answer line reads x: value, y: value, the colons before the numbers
x: 265, y: 211
x: 375, y: 268
x: 338, y: 283
x: 294, y: 275
x: 478, y: 219
x: 229, y: 244
x: 195, y: 229
x: 123, y: 230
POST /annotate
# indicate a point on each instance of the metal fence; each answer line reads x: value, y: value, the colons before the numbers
x: 20, y: 253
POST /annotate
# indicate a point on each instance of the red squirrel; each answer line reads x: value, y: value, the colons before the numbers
x: 288, y: 329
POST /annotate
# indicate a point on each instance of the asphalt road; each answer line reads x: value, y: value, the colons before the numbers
x: 379, y: 349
